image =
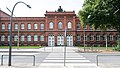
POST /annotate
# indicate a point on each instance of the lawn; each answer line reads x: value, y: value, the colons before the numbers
x: 21, y: 47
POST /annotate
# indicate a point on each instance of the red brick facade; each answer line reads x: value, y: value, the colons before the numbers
x: 53, y: 35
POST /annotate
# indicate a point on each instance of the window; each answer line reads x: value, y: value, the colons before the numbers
x: 78, y: 26
x: 29, y: 38
x: 91, y: 27
x: 97, y: 37
x: 3, y: 26
x: 29, y: 26
x: 69, y: 25
x: 35, y: 26
x: 8, y: 37
x: 3, y: 38
x: 35, y: 37
x: 117, y: 37
x: 78, y: 37
x: 22, y: 26
x: 85, y: 27
x: 16, y: 26
x: 51, y: 25
x: 41, y: 26
x: 15, y: 38
x: 104, y: 37
x: 9, y: 26
x: 91, y: 37
x: 42, y: 38
x: 22, y: 38
x: 85, y: 38
x: 60, y: 25
x: 111, y: 37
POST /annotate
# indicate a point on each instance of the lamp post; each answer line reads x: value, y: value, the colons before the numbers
x: 84, y: 31
x: 18, y: 28
x: 10, y: 43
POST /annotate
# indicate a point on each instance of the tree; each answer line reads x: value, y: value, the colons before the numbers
x: 102, y: 14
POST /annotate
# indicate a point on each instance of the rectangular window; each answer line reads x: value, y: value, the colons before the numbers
x: 15, y: 38
x: 78, y: 26
x: 78, y: 37
x: 29, y: 38
x: 41, y: 38
x: 104, y: 37
x: 29, y: 26
x: 22, y: 26
x: 97, y: 37
x: 111, y: 38
x: 91, y: 37
x: 8, y: 37
x: 42, y: 26
x: 3, y: 26
x: 22, y: 37
x: 3, y: 38
x: 35, y: 37
x: 35, y: 26
x: 85, y: 38
x: 16, y: 26
x: 9, y: 26
x: 85, y: 27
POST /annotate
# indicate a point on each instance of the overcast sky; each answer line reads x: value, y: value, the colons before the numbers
x: 39, y: 7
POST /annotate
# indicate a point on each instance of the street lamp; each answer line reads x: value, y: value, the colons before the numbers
x: 10, y: 43
x: 18, y: 28
x: 84, y: 31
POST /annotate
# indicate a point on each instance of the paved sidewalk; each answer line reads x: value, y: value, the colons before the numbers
x: 55, y: 59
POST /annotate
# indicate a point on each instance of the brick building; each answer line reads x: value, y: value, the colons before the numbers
x: 50, y: 30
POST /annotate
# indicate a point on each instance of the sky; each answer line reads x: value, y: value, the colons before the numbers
x: 39, y: 7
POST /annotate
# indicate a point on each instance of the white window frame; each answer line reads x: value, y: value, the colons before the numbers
x: 42, y: 38
x: 104, y: 37
x: 69, y: 25
x: 9, y: 26
x: 78, y: 37
x: 8, y: 37
x: 22, y: 26
x: 41, y: 26
x: 29, y: 38
x: 15, y: 38
x: 51, y: 25
x: 78, y: 26
x: 16, y: 26
x: 35, y: 26
x: 3, y: 38
x: 22, y: 38
x: 97, y: 37
x: 3, y: 26
x: 29, y: 26
x: 35, y: 37
x: 60, y: 25
x: 111, y: 37
x: 91, y: 37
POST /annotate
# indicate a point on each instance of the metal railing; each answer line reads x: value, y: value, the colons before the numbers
x: 2, y: 57
x: 97, y: 60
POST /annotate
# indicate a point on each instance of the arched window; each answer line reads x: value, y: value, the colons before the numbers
x: 69, y: 25
x: 51, y: 25
x: 60, y: 25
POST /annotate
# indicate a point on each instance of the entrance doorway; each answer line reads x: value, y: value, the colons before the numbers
x: 51, y: 40
x: 60, y: 40
x: 69, y: 40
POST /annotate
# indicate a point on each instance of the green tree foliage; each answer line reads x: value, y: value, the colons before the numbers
x: 102, y: 14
